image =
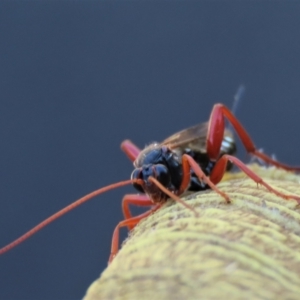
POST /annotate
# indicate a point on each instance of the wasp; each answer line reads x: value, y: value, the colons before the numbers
x: 193, y: 159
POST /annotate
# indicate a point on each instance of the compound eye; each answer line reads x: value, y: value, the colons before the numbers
x: 162, y: 175
x: 137, y: 174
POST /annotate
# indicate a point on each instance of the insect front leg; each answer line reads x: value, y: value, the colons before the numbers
x: 215, y: 135
x: 189, y: 163
x: 220, y: 168
x: 129, y: 223
x: 134, y: 199
x: 130, y: 149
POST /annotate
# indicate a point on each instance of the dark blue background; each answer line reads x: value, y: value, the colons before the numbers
x: 77, y: 78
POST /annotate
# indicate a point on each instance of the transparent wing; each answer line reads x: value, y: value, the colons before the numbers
x: 192, y: 137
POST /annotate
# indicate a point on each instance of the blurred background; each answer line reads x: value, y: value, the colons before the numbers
x: 77, y: 78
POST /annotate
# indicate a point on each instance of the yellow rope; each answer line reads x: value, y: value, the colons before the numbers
x: 249, y: 249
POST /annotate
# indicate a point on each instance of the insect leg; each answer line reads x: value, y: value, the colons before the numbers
x: 215, y: 134
x: 130, y: 149
x: 134, y: 199
x: 220, y: 168
x: 129, y: 222
x: 189, y: 163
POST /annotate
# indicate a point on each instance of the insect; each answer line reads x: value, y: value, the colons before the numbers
x: 193, y: 159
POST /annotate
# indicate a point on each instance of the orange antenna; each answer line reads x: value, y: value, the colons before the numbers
x: 171, y: 195
x: 63, y: 211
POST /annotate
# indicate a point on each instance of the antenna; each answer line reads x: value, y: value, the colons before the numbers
x: 237, y: 98
x: 63, y: 211
x: 84, y: 199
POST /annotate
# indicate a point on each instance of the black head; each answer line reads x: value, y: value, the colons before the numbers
x: 160, y: 173
x: 154, y: 161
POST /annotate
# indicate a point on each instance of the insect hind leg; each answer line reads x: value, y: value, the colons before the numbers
x: 216, y: 133
x: 219, y: 170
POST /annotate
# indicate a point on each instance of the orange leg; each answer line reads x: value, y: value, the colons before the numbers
x: 218, y: 173
x: 215, y: 134
x: 134, y: 199
x: 220, y: 168
x: 129, y: 222
x: 130, y: 149
x: 189, y: 163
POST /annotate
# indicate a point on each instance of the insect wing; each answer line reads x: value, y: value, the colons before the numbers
x: 193, y: 137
